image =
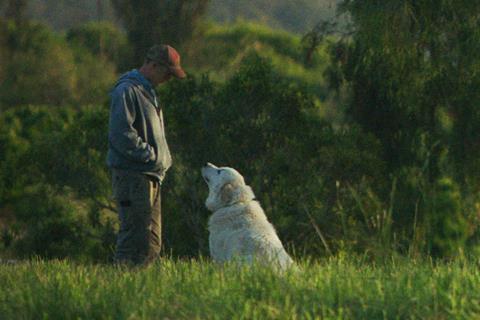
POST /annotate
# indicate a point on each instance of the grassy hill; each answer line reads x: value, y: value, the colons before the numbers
x: 222, y: 49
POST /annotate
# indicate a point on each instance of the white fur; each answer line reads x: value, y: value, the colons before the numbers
x: 239, y: 229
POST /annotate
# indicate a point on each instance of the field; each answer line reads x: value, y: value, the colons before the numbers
x: 360, y: 140
x: 335, y: 288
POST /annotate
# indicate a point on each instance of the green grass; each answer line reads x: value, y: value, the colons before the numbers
x: 335, y: 288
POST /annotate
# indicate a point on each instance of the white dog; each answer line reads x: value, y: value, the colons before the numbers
x: 238, y: 226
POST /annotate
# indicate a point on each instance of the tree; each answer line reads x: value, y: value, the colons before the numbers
x: 150, y: 21
x: 38, y: 69
x: 412, y: 69
x: 103, y: 40
x: 16, y: 10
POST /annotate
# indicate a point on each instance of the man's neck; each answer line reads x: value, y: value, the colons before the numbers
x: 146, y: 73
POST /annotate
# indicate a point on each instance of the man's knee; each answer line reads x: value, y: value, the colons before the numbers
x: 139, y: 237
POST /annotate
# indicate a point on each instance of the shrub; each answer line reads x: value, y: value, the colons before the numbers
x: 38, y: 68
x: 103, y: 40
x: 49, y: 224
x: 95, y: 77
x: 41, y: 68
x: 231, y: 44
x: 54, y: 182
x: 448, y: 229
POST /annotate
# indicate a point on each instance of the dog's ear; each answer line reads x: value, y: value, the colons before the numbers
x: 226, y: 193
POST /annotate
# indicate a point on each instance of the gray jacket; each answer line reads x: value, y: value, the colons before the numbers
x: 136, y: 133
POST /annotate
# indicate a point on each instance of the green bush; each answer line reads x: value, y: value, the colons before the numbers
x: 55, y: 182
x: 448, y: 227
x: 48, y: 224
x: 51, y: 223
x: 231, y: 44
x: 99, y: 49
x: 21, y: 129
x: 94, y: 75
x: 103, y: 40
x: 38, y: 68
x: 41, y: 68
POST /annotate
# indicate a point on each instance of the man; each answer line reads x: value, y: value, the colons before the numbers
x: 138, y: 154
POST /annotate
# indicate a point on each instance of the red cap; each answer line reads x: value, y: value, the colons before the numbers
x: 167, y: 56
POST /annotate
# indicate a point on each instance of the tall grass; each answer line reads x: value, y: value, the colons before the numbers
x: 337, y: 288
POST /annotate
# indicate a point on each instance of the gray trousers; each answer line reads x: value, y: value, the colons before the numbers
x: 137, y: 197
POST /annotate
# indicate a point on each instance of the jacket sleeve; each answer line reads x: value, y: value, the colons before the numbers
x: 122, y: 135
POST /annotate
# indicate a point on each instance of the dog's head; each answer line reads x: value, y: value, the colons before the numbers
x: 226, y: 187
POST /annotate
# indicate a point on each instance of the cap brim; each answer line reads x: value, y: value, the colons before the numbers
x: 178, y: 72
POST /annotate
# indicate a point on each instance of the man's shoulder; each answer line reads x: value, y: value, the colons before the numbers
x: 124, y: 87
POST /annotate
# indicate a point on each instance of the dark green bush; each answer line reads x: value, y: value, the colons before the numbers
x: 103, y: 40
x: 49, y: 224
x: 448, y: 225
x: 55, y: 183
x: 38, y: 68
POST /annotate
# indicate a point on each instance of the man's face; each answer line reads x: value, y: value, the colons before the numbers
x: 163, y: 72
x: 159, y: 73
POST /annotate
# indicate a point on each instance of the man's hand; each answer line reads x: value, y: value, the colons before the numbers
x: 152, y: 155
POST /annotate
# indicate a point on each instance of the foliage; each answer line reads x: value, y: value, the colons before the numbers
x: 397, y: 174
x: 448, y: 224
x: 314, y: 38
x: 103, y: 40
x: 410, y: 65
x: 264, y: 126
x: 94, y: 77
x: 55, y: 183
x: 412, y: 71
x: 14, y: 9
x: 41, y: 68
x: 231, y: 44
x: 48, y: 224
x: 150, y: 22
x: 38, y: 69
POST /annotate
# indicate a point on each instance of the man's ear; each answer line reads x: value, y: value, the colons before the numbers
x: 226, y: 193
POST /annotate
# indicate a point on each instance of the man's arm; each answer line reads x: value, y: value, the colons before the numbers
x: 121, y: 134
